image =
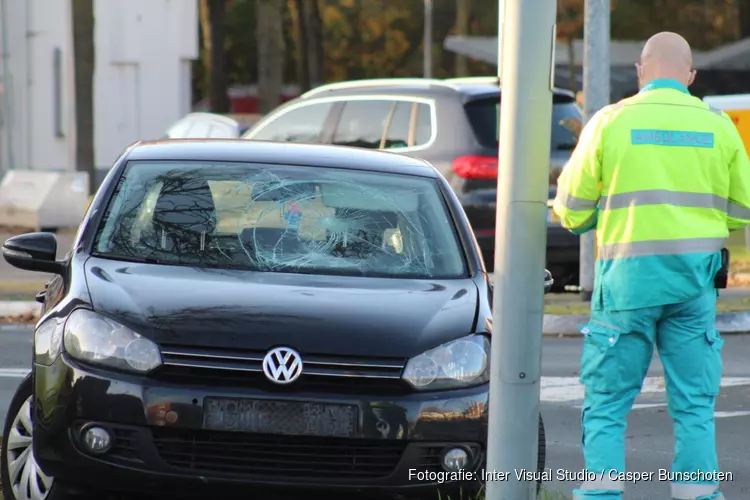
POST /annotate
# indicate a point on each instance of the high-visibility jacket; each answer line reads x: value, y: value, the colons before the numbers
x: 662, y: 177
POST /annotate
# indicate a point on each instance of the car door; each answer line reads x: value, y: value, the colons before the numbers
x: 298, y: 122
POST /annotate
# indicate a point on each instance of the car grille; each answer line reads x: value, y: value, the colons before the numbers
x: 298, y: 457
x: 321, y: 373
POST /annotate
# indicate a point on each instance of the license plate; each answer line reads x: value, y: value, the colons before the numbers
x: 280, y: 417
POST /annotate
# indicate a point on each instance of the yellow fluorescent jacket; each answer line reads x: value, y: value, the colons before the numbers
x: 663, y: 178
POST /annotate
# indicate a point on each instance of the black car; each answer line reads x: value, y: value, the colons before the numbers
x: 247, y: 314
x: 451, y: 123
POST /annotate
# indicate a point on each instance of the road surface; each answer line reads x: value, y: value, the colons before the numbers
x: 649, y: 435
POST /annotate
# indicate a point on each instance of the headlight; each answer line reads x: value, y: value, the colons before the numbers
x: 95, y: 339
x: 48, y: 339
x: 460, y: 363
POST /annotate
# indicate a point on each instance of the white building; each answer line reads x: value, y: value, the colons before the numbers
x: 144, y: 50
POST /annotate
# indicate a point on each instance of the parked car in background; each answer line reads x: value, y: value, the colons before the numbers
x: 238, y: 314
x: 200, y: 125
x: 451, y: 123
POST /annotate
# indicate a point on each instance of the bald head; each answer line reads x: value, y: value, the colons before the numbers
x: 666, y: 55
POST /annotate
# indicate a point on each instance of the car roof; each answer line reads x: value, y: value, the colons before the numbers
x: 467, y: 88
x: 279, y: 153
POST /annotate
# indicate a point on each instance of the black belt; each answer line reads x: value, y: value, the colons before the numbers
x: 721, y: 278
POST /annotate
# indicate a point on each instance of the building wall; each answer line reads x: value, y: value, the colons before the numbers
x: 144, y: 50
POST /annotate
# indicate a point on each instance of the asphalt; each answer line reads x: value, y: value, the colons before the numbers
x: 649, y: 435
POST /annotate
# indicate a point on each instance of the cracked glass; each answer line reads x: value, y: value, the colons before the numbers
x: 274, y: 218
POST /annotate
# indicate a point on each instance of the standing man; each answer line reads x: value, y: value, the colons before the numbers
x: 663, y: 178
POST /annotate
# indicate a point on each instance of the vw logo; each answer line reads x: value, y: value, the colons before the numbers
x: 282, y: 365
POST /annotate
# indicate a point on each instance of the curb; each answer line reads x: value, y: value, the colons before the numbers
x: 557, y: 325
x: 19, y: 308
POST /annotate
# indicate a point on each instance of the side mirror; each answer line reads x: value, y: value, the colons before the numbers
x: 33, y: 252
x: 548, y: 281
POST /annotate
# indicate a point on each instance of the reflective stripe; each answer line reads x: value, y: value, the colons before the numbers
x: 690, y: 491
x: 738, y: 211
x: 659, y: 247
x: 664, y: 197
x: 603, y: 483
x: 574, y: 203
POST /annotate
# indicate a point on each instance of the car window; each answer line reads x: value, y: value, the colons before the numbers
x: 362, y: 123
x: 299, y: 219
x: 566, y: 122
x: 397, y: 135
x: 423, y: 129
x: 303, y: 124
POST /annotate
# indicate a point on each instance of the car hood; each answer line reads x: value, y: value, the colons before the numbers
x: 311, y: 313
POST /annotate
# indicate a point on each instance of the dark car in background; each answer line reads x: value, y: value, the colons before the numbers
x: 238, y: 314
x: 451, y: 123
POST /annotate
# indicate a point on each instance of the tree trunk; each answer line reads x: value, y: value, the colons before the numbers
x: 463, y: 17
x: 213, y: 22
x: 84, y: 61
x: 314, y: 27
x: 300, y: 31
x: 744, y: 18
x: 270, y: 33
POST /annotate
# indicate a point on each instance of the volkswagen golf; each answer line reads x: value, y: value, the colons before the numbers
x: 243, y: 314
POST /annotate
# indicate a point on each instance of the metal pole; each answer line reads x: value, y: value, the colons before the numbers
x: 427, y: 38
x: 522, y: 192
x: 596, y: 92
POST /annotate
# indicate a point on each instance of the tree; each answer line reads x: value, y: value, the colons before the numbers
x: 271, y: 51
x: 743, y: 7
x: 300, y: 38
x: 84, y: 62
x: 569, y: 27
x: 314, y: 39
x: 463, y: 20
x: 214, y: 30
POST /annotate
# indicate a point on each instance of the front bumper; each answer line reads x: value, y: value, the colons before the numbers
x: 398, y: 445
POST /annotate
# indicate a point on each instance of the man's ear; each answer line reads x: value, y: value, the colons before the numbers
x: 691, y: 77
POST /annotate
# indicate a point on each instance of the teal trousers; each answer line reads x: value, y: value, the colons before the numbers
x: 617, y: 350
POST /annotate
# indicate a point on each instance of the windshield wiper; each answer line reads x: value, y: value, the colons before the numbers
x: 139, y: 260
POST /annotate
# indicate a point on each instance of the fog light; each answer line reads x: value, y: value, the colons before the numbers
x: 455, y: 459
x: 97, y: 439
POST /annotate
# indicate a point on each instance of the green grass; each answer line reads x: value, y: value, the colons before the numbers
x: 739, y: 254
x: 583, y: 308
x: 20, y: 290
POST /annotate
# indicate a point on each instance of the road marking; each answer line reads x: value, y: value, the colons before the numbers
x: 14, y: 372
x: 566, y: 389
x: 640, y: 406
x: 730, y: 414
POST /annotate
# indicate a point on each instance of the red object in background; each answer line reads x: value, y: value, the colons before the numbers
x: 476, y: 167
x: 249, y: 104
x: 243, y: 100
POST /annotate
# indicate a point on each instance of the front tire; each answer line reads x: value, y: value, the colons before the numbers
x: 22, y: 479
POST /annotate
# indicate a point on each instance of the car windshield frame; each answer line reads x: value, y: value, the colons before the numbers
x: 564, y: 134
x: 342, y: 189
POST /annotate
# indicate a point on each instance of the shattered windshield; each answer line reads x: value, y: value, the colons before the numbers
x: 280, y: 219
